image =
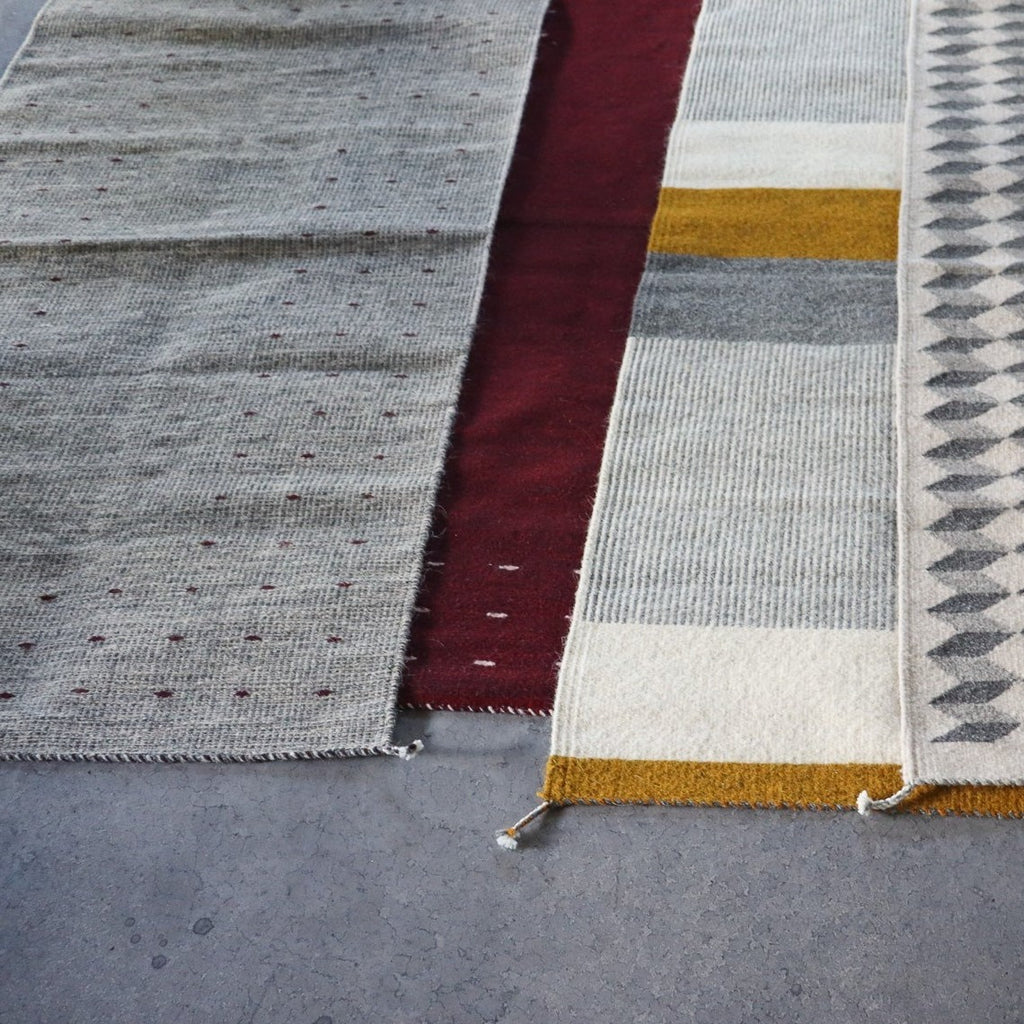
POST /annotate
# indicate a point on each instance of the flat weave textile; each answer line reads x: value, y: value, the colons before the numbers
x: 241, y: 252
x: 962, y: 416
x: 735, y: 637
x: 568, y: 251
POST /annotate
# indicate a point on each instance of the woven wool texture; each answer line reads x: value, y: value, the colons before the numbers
x: 962, y: 417
x: 568, y: 252
x: 734, y: 633
x: 737, y: 628
x: 241, y: 253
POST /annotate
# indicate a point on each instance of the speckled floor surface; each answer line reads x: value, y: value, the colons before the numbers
x: 372, y: 890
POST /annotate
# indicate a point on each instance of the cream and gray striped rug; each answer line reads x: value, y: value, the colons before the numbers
x: 737, y: 630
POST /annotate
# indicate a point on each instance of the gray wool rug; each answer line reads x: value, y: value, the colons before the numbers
x: 241, y: 249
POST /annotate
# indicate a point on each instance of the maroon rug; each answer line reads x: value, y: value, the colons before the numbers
x: 566, y: 260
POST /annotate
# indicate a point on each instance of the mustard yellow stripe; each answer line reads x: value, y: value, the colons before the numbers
x: 606, y: 780
x: 814, y: 223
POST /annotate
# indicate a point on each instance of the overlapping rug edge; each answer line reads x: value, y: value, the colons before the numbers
x: 446, y: 675
x: 609, y: 781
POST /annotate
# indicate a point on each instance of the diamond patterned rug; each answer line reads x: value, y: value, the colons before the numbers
x: 963, y: 381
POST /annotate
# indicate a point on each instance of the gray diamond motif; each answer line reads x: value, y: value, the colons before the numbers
x: 962, y: 243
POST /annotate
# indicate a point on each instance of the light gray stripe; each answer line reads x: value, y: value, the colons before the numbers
x: 748, y: 485
x: 810, y: 302
x: 798, y: 60
x: 242, y: 251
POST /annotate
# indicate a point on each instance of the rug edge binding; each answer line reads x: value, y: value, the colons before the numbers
x: 101, y: 757
x: 773, y: 787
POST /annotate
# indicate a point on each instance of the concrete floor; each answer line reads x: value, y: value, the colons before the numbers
x: 372, y: 890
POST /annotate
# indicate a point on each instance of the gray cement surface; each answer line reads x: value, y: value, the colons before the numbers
x: 16, y: 18
x: 372, y: 890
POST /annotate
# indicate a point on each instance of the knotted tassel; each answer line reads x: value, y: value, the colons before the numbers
x: 508, y: 838
x: 406, y: 753
x: 865, y: 805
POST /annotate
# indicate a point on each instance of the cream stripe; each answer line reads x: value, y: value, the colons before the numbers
x: 751, y: 154
x: 697, y: 693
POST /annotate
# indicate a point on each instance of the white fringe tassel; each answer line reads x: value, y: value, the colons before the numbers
x: 505, y: 841
x: 508, y: 838
x: 865, y: 805
x: 409, y: 752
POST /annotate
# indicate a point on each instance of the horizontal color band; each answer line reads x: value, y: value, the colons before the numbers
x: 803, y: 302
x: 780, y: 154
x: 720, y: 694
x: 572, y: 780
x: 828, y: 224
